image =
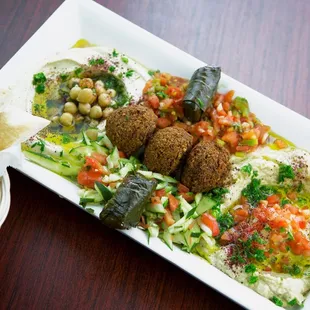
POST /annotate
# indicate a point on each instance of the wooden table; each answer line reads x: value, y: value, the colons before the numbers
x: 53, y: 255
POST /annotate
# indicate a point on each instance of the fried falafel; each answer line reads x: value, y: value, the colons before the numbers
x: 207, y: 167
x: 167, y: 149
x: 130, y: 127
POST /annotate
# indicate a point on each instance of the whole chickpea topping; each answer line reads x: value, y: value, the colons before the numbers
x: 66, y: 119
x: 84, y: 108
x: 86, y: 95
x: 106, y: 112
x: 70, y: 107
x: 86, y: 83
x: 111, y: 92
x: 95, y: 112
x: 74, y: 92
x: 104, y: 100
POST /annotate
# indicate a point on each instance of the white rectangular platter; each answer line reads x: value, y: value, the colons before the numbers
x: 100, y: 26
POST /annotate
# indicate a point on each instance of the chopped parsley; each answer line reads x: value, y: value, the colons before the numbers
x: 37, y: 107
x: 161, y: 95
x: 293, y: 270
x: 40, y: 89
x: 251, y: 268
x: 124, y: 60
x: 284, y: 202
x: 282, y: 229
x: 285, y: 172
x: 293, y: 302
x: 111, y: 68
x: 114, y: 53
x: 247, y: 169
x: 253, y: 279
x: 63, y: 76
x: 152, y: 72
x: 78, y: 71
x: 290, y: 236
x: 129, y: 73
x: 120, y: 75
x: 225, y: 221
x: 267, y: 228
x: 66, y: 138
x: 254, y: 192
x: 96, y: 62
x: 39, y: 78
x: 277, y: 301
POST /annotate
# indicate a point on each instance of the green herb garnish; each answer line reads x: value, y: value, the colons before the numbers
x: 114, y: 53
x: 225, y: 221
x: 129, y: 73
x: 40, y: 89
x: 96, y: 62
x: 152, y: 72
x: 78, y: 71
x: 161, y: 95
x: 63, y: 76
x: 247, y: 169
x: 39, y: 143
x: 277, y: 301
x: 111, y: 68
x: 251, y: 268
x: 125, y: 60
x: 285, y: 172
x: 293, y: 302
x: 253, y: 279
x: 39, y: 78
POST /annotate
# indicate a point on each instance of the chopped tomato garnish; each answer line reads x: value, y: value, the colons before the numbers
x: 189, y: 197
x: 182, y: 188
x: 173, y: 202
x: 232, y: 138
x: 168, y: 218
x: 88, y: 178
x: 163, y: 122
x: 229, y: 96
x: 155, y: 200
x: 211, y: 222
x: 160, y: 192
x: 273, y: 199
x: 122, y: 154
x: 101, y: 158
x: 153, y: 100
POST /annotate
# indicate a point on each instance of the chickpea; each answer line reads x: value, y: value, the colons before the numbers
x: 73, y: 82
x: 111, y: 92
x: 99, y: 83
x: 84, y: 108
x: 86, y: 95
x: 106, y: 112
x: 92, y: 134
x: 70, y: 107
x: 104, y: 100
x: 93, y: 123
x: 86, y: 83
x: 74, y: 92
x: 66, y: 119
x: 95, y: 112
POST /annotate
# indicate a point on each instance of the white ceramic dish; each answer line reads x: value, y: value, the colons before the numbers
x: 102, y: 27
x: 5, y: 197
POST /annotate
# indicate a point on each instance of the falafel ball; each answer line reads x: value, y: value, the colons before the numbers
x: 130, y: 127
x: 167, y: 149
x: 207, y: 167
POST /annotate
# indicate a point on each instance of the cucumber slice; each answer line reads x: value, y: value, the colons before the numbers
x: 205, y: 204
x: 168, y: 239
x: 104, y: 140
x: 147, y: 174
x: 156, y: 208
x: 48, y: 162
x: 170, y: 179
x: 113, y: 177
x: 103, y: 191
x: 179, y: 239
x: 100, y: 149
x: 153, y: 230
x: 161, y: 185
x: 80, y: 152
x: 85, y: 138
x: 198, y: 198
x: 184, y: 205
x: 113, y: 159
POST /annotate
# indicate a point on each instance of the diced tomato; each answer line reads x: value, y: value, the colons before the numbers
x: 280, y: 144
x: 154, y: 101
x: 189, y: 197
x: 148, y: 85
x: 273, y: 199
x: 240, y: 215
x: 93, y: 163
x: 226, y: 106
x: 292, y: 209
x: 102, y: 158
x: 182, y: 188
x: 168, y: 218
x: 166, y: 104
x: 122, y: 154
x: 174, y: 92
x: 201, y: 128
x: 278, y: 223
x: 160, y: 192
x: 88, y: 178
x: 211, y: 222
x: 173, y: 202
x: 226, y: 238
x: 245, y: 148
x: 263, y: 130
x: 229, y: 96
x: 163, y: 122
x: 232, y: 138
x: 155, y: 200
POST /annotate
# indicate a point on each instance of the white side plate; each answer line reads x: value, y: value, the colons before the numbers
x: 100, y: 26
x: 5, y: 197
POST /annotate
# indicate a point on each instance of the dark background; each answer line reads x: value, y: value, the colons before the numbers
x: 53, y: 255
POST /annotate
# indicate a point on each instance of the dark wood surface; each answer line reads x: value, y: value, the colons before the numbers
x: 55, y: 256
